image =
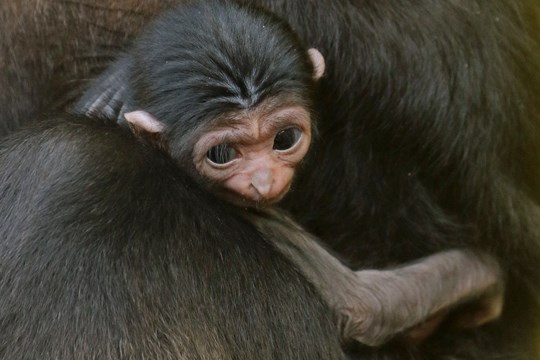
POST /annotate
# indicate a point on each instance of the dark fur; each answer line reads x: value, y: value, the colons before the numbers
x: 204, y: 61
x: 429, y: 131
x: 198, y: 63
x: 104, y: 255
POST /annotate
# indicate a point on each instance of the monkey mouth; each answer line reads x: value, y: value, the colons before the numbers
x: 249, y: 202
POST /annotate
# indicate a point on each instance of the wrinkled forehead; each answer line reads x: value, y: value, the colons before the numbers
x: 278, y: 111
x: 279, y: 108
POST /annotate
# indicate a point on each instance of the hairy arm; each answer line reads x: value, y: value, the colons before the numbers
x: 375, y: 305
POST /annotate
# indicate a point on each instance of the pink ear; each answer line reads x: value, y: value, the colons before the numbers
x: 143, y: 121
x: 318, y: 63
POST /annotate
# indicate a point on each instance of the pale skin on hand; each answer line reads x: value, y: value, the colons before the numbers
x: 408, y: 302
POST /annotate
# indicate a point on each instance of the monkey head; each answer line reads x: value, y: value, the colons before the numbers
x: 246, y: 156
x: 226, y: 90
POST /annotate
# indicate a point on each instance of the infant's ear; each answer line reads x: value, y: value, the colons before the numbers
x: 142, y: 122
x: 318, y: 63
x: 147, y: 129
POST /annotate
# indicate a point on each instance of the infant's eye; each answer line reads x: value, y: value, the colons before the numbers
x: 286, y: 139
x: 221, y: 154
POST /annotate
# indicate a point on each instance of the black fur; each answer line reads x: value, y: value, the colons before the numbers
x: 429, y: 131
x: 429, y: 139
x: 200, y: 61
x: 109, y: 251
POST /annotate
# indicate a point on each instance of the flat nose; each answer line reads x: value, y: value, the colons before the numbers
x: 262, y: 181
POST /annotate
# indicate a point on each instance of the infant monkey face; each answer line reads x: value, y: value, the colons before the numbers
x: 251, y: 156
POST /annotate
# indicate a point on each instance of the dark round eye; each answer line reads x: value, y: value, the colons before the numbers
x: 286, y: 138
x: 221, y: 154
